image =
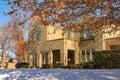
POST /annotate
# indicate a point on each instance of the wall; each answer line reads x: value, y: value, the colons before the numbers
x: 96, y: 44
x: 11, y: 65
x: 115, y: 42
x: 54, y: 32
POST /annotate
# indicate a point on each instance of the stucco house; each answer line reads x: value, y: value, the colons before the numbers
x: 50, y: 45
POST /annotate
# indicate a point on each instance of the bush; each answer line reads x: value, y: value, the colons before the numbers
x: 71, y: 66
x: 75, y: 66
x: 46, y: 66
x: 79, y: 66
x: 10, y: 60
x: 88, y: 65
x: 59, y: 65
x: 22, y: 65
x: 107, y: 59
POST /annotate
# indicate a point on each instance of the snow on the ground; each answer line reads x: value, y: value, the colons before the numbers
x: 59, y: 74
x: 4, y: 76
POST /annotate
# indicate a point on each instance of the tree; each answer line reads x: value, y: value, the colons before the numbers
x: 67, y: 12
x: 5, y: 42
x: 18, y: 43
x: 17, y: 38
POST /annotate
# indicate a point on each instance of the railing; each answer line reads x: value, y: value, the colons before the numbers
x: 85, y: 39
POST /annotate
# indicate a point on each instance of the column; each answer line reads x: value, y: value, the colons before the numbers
x: 31, y: 60
x: 39, y: 59
x: 77, y: 57
x: 63, y: 57
x: 91, y: 55
x: 50, y: 57
x: 85, y: 56
x: 80, y: 56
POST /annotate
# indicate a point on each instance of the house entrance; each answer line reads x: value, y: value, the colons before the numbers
x: 56, y: 56
x: 71, y: 57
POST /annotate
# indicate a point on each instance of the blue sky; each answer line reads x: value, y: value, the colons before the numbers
x: 5, y: 18
x: 4, y: 7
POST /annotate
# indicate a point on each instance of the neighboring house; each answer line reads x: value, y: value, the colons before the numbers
x: 2, y: 63
x: 51, y: 45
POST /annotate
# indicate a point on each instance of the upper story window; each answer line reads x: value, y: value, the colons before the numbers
x: 35, y: 35
x: 38, y: 35
x: 70, y: 34
x: 87, y: 35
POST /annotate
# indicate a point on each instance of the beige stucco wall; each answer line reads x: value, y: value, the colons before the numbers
x: 53, y: 45
x: 63, y: 45
x: 54, y: 32
x: 113, y: 42
x: 91, y: 44
x: 11, y: 65
x: 111, y: 31
x: 53, y: 39
x: 111, y: 36
x: 72, y: 45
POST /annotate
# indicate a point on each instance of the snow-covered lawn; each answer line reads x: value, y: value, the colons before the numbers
x: 59, y: 74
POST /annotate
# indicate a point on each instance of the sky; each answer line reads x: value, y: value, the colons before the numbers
x: 5, y: 18
x: 3, y: 8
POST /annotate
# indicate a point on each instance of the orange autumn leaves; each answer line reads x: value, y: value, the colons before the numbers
x: 19, y: 43
x: 66, y: 12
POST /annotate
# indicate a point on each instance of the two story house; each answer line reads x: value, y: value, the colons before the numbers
x: 50, y: 45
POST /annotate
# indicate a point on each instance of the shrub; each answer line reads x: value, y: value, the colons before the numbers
x: 59, y: 65
x: 22, y: 65
x: 79, y: 66
x: 75, y: 66
x: 88, y: 65
x: 71, y: 66
x: 46, y: 66
x: 10, y: 60
x: 107, y: 59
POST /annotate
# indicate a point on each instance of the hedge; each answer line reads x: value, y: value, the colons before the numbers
x: 22, y: 65
x: 107, y: 59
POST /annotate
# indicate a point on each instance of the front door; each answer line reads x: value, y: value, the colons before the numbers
x: 56, y: 56
x: 71, y: 57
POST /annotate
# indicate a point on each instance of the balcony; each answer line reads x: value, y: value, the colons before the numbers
x: 87, y: 39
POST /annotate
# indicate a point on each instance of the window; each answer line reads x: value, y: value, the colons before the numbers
x: 38, y: 35
x: 83, y: 52
x: 83, y: 56
x: 45, y: 58
x: 70, y: 34
x: 88, y: 34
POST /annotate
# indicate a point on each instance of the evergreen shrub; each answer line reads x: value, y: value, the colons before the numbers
x: 88, y: 65
x: 109, y: 59
x: 46, y: 66
x: 59, y: 65
x: 22, y: 65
